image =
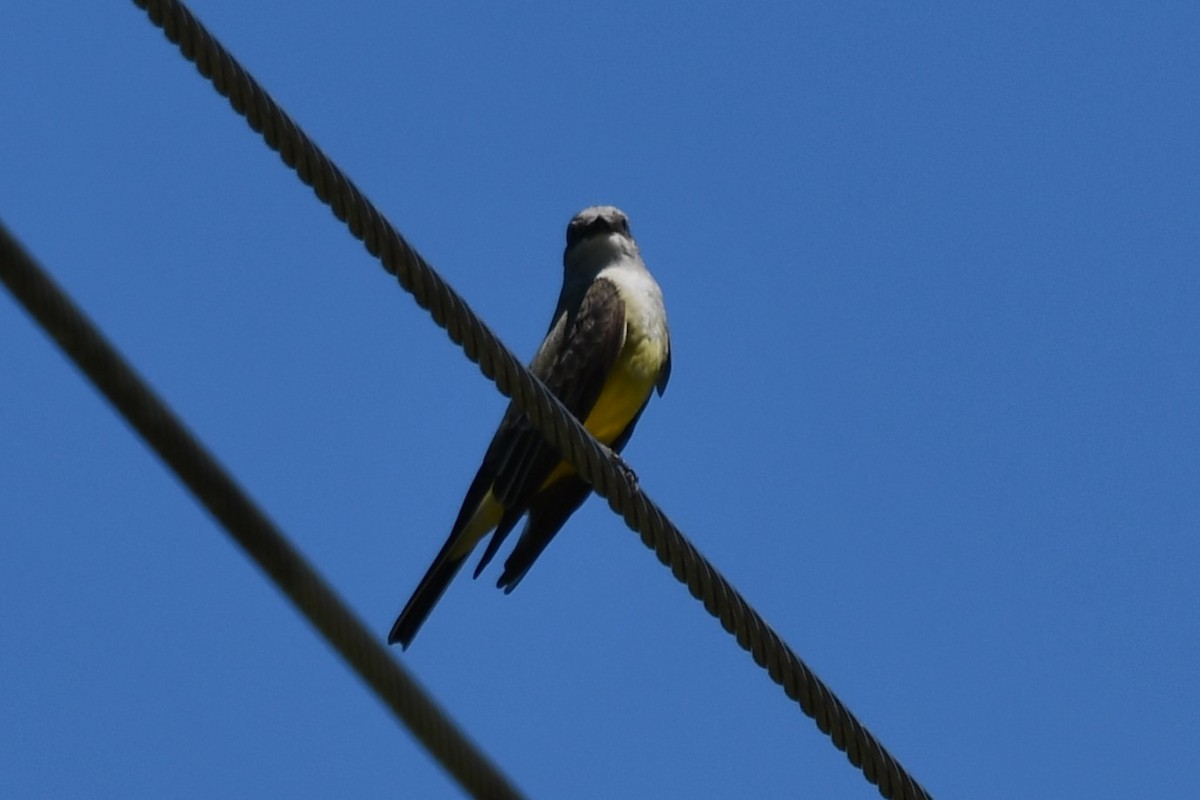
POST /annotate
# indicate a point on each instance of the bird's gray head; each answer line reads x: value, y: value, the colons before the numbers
x: 599, y: 234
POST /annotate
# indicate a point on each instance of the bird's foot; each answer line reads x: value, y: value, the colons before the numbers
x: 626, y: 470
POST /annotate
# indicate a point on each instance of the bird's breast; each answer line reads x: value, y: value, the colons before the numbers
x: 636, y: 370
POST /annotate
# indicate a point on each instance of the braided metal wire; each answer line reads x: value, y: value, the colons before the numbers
x: 245, y: 522
x: 593, y: 461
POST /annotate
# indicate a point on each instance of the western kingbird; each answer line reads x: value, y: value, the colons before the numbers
x: 606, y: 351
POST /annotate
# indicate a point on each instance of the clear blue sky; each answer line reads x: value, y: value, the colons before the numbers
x: 933, y: 275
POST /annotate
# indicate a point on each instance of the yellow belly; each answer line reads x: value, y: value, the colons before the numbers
x: 624, y: 393
x: 622, y: 396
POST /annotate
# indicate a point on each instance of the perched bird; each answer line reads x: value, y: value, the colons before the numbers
x: 606, y: 351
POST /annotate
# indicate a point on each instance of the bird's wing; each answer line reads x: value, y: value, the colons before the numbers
x: 664, y: 373
x: 520, y: 460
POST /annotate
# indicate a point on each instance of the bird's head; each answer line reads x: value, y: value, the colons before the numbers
x: 597, y: 236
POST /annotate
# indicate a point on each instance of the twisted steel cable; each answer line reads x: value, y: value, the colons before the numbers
x: 245, y: 522
x: 591, y: 459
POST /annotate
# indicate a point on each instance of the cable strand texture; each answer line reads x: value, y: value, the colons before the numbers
x: 592, y: 460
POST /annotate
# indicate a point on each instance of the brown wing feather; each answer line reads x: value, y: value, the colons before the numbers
x: 590, y: 344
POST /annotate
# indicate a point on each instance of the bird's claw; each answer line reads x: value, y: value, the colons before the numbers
x: 625, y: 469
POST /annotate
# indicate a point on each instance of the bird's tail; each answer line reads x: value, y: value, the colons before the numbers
x: 477, y: 517
x: 428, y: 592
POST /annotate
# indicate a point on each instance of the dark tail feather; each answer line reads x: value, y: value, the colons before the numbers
x: 428, y: 592
x: 507, y: 523
x: 444, y: 567
x: 547, y: 514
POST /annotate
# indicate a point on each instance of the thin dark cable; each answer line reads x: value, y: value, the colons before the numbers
x: 248, y: 525
x: 592, y: 460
